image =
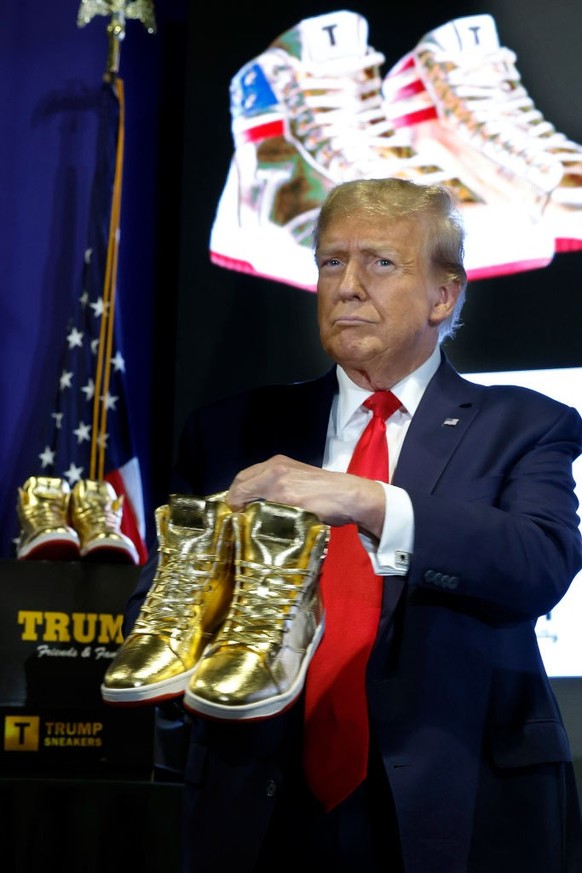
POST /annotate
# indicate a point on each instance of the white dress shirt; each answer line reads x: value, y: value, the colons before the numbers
x: 348, y: 418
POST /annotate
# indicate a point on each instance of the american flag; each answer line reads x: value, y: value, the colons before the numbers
x: 89, y: 435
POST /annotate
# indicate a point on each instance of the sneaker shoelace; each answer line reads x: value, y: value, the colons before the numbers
x: 340, y: 119
x: 499, y: 108
x: 98, y: 514
x: 45, y: 514
x: 263, y: 603
x: 180, y: 586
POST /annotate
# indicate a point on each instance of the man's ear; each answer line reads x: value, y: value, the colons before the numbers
x: 448, y: 295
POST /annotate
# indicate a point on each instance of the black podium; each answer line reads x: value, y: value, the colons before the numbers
x: 78, y: 784
x: 60, y: 627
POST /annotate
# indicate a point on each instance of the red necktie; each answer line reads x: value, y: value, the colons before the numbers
x: 336, y: 710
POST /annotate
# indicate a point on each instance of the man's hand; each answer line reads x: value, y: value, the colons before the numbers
x: 336, y: 498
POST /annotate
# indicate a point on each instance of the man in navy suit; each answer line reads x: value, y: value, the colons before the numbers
x: 475, y: 537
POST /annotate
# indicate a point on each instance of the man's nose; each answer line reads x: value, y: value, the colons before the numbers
x: 351, y: 283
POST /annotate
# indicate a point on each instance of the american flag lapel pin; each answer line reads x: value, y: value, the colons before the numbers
x: 451, y: 422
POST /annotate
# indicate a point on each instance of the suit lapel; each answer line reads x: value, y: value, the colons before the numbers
x: 446, y: 411
x: 306, y: 412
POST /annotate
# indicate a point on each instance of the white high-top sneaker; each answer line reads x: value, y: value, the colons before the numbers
x: 308, y: 114
x: 460, y: 92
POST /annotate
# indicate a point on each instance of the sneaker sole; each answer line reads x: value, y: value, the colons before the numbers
x: 147, y: 694
x: 262, y: 709
x: 109, y: 553
x: 50, y: 547
x: 259, y: 250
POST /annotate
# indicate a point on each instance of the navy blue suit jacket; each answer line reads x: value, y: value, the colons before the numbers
x: 456, y: 673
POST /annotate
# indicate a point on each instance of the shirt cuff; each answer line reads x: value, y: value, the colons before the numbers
x: 392, y: 555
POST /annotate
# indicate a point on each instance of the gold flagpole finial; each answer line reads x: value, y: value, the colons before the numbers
x: 118, y: 11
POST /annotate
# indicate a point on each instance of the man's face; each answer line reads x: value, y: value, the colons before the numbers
x: 379, y: 302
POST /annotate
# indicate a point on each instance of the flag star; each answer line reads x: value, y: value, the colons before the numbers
x: 109, y: 401
x: 66, y: 379
x: 102, y: 440
x: 88, y: 253
x: 89, y: 390
x: 58, y: 417
x: 84, y: 299
x: 99, y: 307
x: 94, y: 346
x: 75, y: 338
x: 74, y: 473
x: 118, y: 362
x: 83, y: 432
x: 47, y: 457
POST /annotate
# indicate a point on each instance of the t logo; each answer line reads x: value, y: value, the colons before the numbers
x: 21, y: 733
x: 475, y: 31
x: 330, y: 30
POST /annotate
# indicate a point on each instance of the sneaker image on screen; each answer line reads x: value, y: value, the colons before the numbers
x: 460, y: 91
x: 309, y: 113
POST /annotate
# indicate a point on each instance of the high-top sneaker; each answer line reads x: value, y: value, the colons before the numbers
x: 308, y: 114
x: 96, y: 513
x: 256, y: 665
x: 45, y: 530
x: 184, y: 607
x: 460, y: 91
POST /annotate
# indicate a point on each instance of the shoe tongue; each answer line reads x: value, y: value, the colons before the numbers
x: 50, y: 488
x: 325, y: 38
x: 474, y: 35
x: 187, y: 510
x: 274, y: 521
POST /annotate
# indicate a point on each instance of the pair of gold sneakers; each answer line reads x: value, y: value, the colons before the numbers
x: 233, y: 615
x: 59, y: 523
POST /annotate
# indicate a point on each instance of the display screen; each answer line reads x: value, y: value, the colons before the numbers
x: 558, y: 632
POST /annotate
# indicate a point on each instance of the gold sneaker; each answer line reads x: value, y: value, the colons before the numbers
x: 256, y: 665
x: 43, y: 510
x: 96, y: 513
x: 186, y: 603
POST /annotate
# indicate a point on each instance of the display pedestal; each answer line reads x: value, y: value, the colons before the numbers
x: 60, y: 627
x: 89, y: 826
x: 78, y: 790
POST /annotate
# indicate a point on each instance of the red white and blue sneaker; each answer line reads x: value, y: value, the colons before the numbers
x: 460, y: 92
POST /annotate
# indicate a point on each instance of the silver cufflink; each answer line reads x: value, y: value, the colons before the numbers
x: 402, y: 559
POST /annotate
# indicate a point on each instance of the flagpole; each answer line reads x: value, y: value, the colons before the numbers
x: 118, y: 11
x: 104, y: 356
